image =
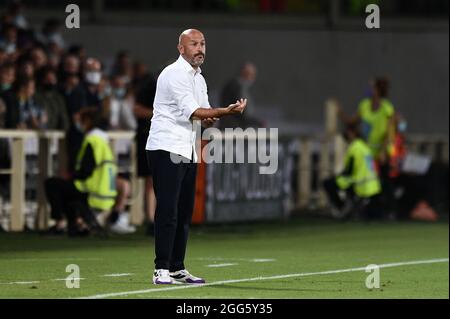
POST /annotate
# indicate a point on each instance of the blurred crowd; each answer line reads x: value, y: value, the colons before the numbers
x: 47, y: 84
x: 44, y: 83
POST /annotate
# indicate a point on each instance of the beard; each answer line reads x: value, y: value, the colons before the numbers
x: 197, y: 60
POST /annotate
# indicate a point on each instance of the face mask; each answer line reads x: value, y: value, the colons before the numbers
x: 79, y: 127
x: 56, y: 38
x: 6, y: 86
x: 105, y: 93
x: 402, y: 126
x: 119, y: 93
x: 93, y: 77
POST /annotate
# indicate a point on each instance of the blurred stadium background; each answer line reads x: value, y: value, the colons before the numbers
x: 310, y: 56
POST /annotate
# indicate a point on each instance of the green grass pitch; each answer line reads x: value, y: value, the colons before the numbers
x: 292, y: 258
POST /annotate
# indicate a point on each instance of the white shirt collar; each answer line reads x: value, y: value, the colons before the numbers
x: 186, y: 66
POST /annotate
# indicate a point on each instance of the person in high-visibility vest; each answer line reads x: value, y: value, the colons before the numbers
x: 359, y: 180
x: 94, y: 184
x: 376, y: 117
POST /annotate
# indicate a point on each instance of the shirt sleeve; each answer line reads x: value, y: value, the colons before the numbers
x: 388, y: 108
x: 362, y: 108
x: 348, y: 169
x: 182, y: 92
x: 87, y: 164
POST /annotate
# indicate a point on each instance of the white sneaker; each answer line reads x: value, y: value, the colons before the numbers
x: 122, y: 226
x: 183, y: 276
x: 161, y: 277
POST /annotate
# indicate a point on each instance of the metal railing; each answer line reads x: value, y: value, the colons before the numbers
x: 45, y: 168
x: 330, y: 148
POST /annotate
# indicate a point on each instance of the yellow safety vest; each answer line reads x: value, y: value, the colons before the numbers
x: 364, y: 177
x: 375, y: 124
x: 101, y: 185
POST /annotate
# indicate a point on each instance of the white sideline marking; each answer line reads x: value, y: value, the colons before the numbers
x: 221, y: 265
x: 117, y: 275
x: 52, y: 259
x: 262, y: 260
x: 223, y: 282
x: 255, y: 260
x: 64, y: 279
x: 20, y: 283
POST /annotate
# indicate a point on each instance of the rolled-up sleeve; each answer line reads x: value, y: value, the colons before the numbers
x: 182, y: 92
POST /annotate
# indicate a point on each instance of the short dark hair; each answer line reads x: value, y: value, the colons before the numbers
x: 42, y: 73
x: 353, y: 128
x: 6, y: 66
x: 382, y: 86
x: 92, y: 114
x: 22, y: 81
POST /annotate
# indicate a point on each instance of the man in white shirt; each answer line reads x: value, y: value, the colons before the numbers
x: 181, y: 97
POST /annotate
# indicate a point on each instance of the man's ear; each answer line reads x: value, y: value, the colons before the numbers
x: 180, y: 48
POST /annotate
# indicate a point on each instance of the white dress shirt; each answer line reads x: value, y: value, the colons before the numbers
x: 180, y: 91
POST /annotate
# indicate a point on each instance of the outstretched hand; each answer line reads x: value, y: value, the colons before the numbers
x: 237, y: 107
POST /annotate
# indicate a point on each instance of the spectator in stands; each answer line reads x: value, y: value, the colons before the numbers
x: 75, y: 99
x: 38, y: 57
x: 2, y: 113
x: 359, y: 180
x: 93, y: 185
x: 51, y: 33
x: 143, y: 110
x: 3, y: 56
x: 8, y: 41
x: 119, y: 106
x: 51, y: 100
x: 91, y: 82
x: 140, y: 76
x: 54, y: 60
x: 25, y: 68
x: 80, y: 93
x: 22, y: 110
x: 7, y: 77
x: 70, y: 66
x: 8, y: 38
x: 233, y: 90
x: 122, y: 67
x: 79, y: 51
x: 15, y: 11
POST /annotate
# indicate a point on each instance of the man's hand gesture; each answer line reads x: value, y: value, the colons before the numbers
x: 237, y: 107
x: 209, y: 122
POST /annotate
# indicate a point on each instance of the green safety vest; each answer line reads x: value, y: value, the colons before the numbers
x: 375, y: 123
x: 364, y: 177
x: 101, y: 185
